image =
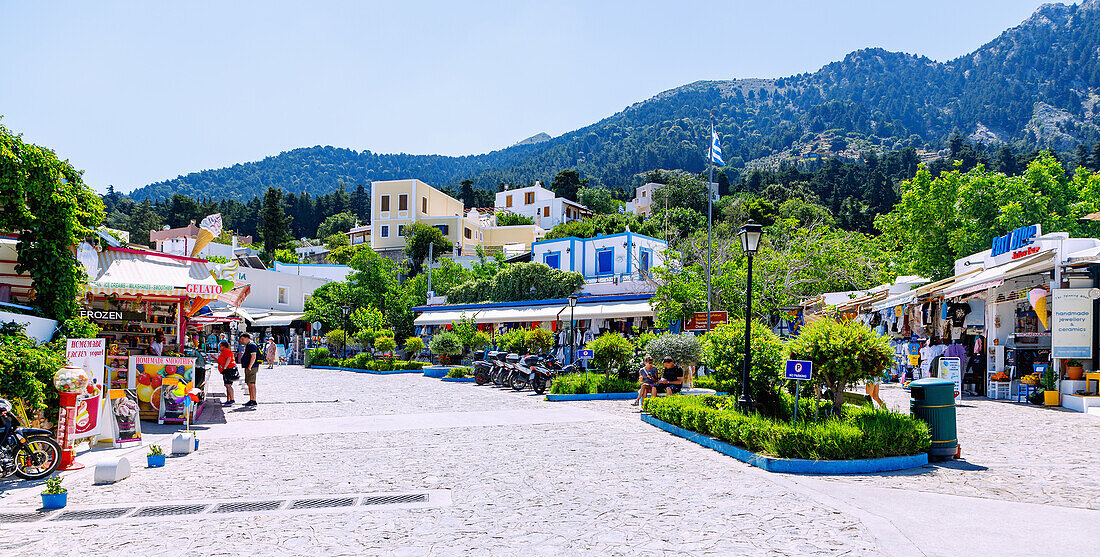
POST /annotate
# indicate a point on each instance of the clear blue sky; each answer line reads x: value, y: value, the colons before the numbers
x: 135, y: 92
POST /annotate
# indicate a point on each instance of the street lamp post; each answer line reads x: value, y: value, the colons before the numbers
x: 572, y: 328
x: 344, y: 349
x: 750, y: 241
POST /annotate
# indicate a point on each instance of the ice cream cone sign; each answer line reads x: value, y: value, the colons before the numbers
x: 1038, y: 299
x: 209, y: 228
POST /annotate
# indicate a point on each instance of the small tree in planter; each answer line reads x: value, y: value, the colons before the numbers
x: 413, y: 347
x: 843, y: 353
x: 538, y: 341
x: 611, y: 351
x: 385, y: 345
x: 337, y: 337
x: 685, y: 349
x: 54, y: 496
x: 479, y: 340
x: 723, y: 350
x: 512, y: 341
x: 446, y: 345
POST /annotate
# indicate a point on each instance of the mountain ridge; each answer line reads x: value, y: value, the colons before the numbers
x: 1036, y: 85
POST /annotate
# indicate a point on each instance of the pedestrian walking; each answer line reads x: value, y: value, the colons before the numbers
x: 250, y: 359
x: 270, y: 352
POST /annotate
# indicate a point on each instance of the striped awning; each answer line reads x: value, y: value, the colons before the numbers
x: 124, y: 272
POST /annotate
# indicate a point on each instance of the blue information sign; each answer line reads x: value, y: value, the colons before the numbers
x: 798, y: 369
x: 584, y: 354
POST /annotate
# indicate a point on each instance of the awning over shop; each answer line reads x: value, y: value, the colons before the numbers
x: 610, y: 310
x: 995, y: 276
x: 442, y: 317
x: 522, y: 314
x: 277, y: 319
x: 242, y: 313
x: 125, y: 272
x: 912, y: 295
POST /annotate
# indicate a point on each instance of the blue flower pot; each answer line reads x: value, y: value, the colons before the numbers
x: 196, y: 443
x: 54, y: 500
x: 155, y: 461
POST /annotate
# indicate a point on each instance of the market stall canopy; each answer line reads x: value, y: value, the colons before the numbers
x: 610, y: 310
x: 134, y: 273
x: 995, y: 276
x: 278, y: 319
x: 911, y: 296
x: 522, y: 314
x: 241, y: 313
x: 442, y: 317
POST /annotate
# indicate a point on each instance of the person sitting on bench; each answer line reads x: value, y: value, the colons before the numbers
x: 672, y: 380
x: 647, y: 377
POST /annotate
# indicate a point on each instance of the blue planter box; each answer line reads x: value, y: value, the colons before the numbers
x: 155, y: 461
x: 597, y: 396
x: 54, y: 500
x: 391, y: 372
x: 436, y: 372
x: 793, y: 465
x: 458, y: 379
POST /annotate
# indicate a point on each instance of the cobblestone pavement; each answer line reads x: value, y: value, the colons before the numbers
x: 574, y: 479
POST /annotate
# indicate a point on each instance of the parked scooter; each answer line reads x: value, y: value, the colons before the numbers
x: 483, y: 366
x: 548, y: 369
x: 27, y: 452
x: 525, y: 372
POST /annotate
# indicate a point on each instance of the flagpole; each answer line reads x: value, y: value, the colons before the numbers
x: 710, y: 199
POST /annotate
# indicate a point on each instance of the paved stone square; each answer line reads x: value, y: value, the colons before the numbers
x: 525, y: 476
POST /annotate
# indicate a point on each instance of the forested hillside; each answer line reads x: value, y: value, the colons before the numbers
x: 1034, y: 86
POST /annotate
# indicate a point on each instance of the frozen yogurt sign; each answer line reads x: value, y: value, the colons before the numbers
x: 1018, y: 242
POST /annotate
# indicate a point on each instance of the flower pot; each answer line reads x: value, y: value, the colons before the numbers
x: 196, y: 443
x: 54, y: 500
x: 155, y: 460
x: 1050, y: 398
x: 1075, y: 373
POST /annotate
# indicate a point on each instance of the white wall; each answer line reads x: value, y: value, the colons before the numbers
x: 267, y: 283
x: 579, y: 255
x: 329, y: 272
x: 183, y: 246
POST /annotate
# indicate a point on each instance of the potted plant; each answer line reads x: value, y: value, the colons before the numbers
x: 1050, y: 387
x: 54, y: 496
x: 155, y: 458
x: 195, y: 436
x: 1074, y: 370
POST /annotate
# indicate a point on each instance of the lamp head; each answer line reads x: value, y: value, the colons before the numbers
x: 750, y: 236
x: 346, y: 310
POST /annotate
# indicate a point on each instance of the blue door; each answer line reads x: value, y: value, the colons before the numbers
x: 643, y: 260
x: 552, y: 260
x: 605, y: 262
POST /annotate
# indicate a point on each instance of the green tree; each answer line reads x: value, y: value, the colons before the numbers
x: 567, y: 183
x: 598, y: 200
x: 445, y: 344
x: 276, y: 224
x: 360, y: 204
x: 47, y: 202
x: 684, y: 348
x: 723, y: 350
x: 286, y: 256
x: 336, y: 240
x: 417, y: 239
x: 338, y: 223
x: 611, y: 352
x: 538, y: 340
x: 467, y: 192
x: 843, y: 353
x: 413, y: 347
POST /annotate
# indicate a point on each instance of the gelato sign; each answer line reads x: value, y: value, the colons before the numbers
x: 1071, y: 326
x: 204, y: 289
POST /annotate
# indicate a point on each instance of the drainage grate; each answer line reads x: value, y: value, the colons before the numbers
x: 22, y: 517
x: 247, y: 506
x: 395, y: 499
x: 93, y: 514
x: 322, y: 503
x: 169, y: 510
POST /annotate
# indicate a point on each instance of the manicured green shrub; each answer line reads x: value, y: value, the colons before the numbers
x: 413, y: 347
x: 385, y: 344
x: 590, y: 383
x: 685, y: 349
x: 460, y: 372
x: 445, y: 343
x: 709, y: 382
x: 512, y: 340
x: 724, y: 352
x: 611, y: 351
x: 479, y: 340
x: 538, y: 341
x: 337, y: 337
x: 843, y: 352
x: 858, y: 433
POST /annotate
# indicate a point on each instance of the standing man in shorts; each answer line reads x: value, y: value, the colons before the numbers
x: 250, y: 360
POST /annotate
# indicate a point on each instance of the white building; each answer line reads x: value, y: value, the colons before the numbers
x: 643, y: 199
x: 614, y: 263
x: 539, y: 204
x: 279, y: 291
x: 330, y: 272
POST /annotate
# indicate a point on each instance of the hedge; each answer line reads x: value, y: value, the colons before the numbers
x: 590, y: 383
x: 461, y: 371
x: 319, y: 357
x: 859, y: 433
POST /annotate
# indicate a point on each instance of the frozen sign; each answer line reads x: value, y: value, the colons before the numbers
x: 1071, y: 326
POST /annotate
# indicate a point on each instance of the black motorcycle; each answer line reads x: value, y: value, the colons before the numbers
x: 547, y: 370
x: 483, y: 366
x: 27, y: 452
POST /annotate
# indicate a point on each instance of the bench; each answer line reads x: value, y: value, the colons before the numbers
x: 857, y: 399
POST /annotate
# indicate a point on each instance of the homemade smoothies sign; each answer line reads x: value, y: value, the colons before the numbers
x: 147, y: 377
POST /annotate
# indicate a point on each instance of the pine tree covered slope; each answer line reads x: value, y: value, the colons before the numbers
x: 1036, y: 85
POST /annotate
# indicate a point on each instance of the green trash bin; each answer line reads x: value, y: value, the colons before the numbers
x: 933, y: 401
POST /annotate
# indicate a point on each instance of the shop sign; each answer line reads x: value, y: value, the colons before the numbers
x: 698, y: 322
x: 111, y: 315
x: 951, y: 369
x: 1071, y: 327
x: 214, y: 289
x: 1017, y: 239
x: 124, y: 413
x: 88, y: 354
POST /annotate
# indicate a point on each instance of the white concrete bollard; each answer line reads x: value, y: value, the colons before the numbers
x: 111, y: 470
x: 183, y: 444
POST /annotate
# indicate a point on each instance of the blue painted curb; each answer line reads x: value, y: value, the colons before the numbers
x: 391, y: 372
x: 458, y: 379
x: 794, y: 465
x: 597, y: 396
x: 436, y: 372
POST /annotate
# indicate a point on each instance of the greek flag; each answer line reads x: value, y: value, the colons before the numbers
x: 715, y: 148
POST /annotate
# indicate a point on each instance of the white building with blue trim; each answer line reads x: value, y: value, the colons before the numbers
x: 627, y: 257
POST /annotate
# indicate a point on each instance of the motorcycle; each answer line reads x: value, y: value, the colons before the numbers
x: 525, y: 372
x: 29, y: 453
x: 483, y: 367
x: 549, y: 369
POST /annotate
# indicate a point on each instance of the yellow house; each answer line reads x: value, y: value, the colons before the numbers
x: 396, y: 204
